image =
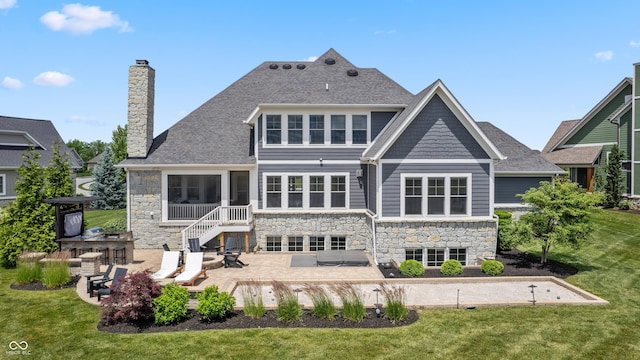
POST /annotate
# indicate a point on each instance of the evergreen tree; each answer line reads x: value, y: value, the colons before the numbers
x: 109, y: 183
x: 58, y: 181
x: 27, y: 223
x: 615, y: 185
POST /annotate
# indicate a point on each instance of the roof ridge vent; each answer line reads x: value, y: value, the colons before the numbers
x: 329, y: 61
x: 352, y: 72
x: 286, y: 66
x: 273, y: 66
x: 301, y: 66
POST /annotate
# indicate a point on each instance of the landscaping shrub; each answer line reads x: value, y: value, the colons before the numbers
x: 28, y: 270
x: 396, y: 299
x: 288, y: 309
x: 504, y: 228
x: 56, y: 270
x: 411, y: 268
x: 323, y: 307
x: 252, y: 297
x: 213, y: 304
x: 131, y: 298
x: 115, y: 226
x: 171, y: 305
x: 451, y: 267
x: 352, y: 303
x: 625, y: 205
x: 492, y: 267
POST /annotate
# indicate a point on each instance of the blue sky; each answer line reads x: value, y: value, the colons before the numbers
x: 522, y: 65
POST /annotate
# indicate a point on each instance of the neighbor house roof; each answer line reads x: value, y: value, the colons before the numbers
x: 216, y: 132
x: 578, y: 155
x: 17, y: 135
x: 560, y: 132
x: 519, y: 157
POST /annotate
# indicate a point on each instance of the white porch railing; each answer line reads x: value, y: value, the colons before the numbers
x: 220, y: 216
x: 190, y: 211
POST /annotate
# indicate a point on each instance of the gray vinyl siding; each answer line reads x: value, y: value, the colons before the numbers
x: 371, y: 183
x: 506, y: 188
x: 380, y: 119
x: 356, y: 194
x: 436, y: 133
x: 10, y: 182
x: 391, y: 184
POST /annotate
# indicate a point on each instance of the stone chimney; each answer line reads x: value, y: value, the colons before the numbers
x: 140, y: 114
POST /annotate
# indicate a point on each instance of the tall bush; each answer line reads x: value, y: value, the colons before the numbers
x: 213, y: 304
x: 131, y: 298
x: 171, y: 305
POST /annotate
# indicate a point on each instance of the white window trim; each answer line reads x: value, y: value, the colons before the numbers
x: 284, y: 128
x: 3, y: 181
x: 447, y: 194
x: 447, y: 253
x: 284, y: 176
x: 164, y: 187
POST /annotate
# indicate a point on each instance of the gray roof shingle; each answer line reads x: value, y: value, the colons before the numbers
x: 582, y: 155
x: 520, y: 158
x: 43, y: 132
x: 215, y: 132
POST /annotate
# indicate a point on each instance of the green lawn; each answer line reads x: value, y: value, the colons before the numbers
x: 99, y: 218
x: 58, y: 325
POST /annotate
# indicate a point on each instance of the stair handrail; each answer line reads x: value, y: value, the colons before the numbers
x: 220, y: 215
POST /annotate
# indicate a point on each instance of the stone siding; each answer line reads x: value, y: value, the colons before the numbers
x: 478, y: 237
x: 140, y: 110
x: 144, y: 199
x: 355, y: 227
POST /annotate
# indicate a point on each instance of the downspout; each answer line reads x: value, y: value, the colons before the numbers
x: 497, y: 227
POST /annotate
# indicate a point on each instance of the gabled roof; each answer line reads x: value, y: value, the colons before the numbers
x: 560, y: 132
x: 579, y: 155
x: 397, y: 126
x: 216, y: 132
x: 558, y: 139
x: 20, y: 134
x: 520, y: 159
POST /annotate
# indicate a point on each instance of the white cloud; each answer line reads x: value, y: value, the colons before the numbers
x: 310, y: 58
x: 604, y: 55
x: 81, y: 19
x: 11, y: 83
x: 634, y: 44
x: 7, y: 4
x: 384, y: 32
x: 53, y: 78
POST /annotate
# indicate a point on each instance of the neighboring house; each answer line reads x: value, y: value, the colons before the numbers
x: 93, y: 162
x: 583, y: 145
x: 322, y: 155
x: 17, y: 135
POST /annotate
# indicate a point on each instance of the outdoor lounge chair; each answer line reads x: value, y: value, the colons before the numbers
x: 169, y: 266
x: 231, y: 253
x: 166, y: 247
x: 106, y: 290
x: 192, y: 269
x: 194, y: 245
x: 97, y: 279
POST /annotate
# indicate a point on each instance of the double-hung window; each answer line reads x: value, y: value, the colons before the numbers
x: 294, y: 129
x: 445, y: 194
x: 295, y: 191
x: 338, y: 129
x: 338, y: 192
x: 413, y: 196
x: 316, y: 191
x: 274, y: 191
x: 274, y: 129
x: 359, y: 129
x: 316, y: 129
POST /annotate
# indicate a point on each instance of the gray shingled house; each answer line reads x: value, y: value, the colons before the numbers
x: 17, y: 135
x: 323, y: 155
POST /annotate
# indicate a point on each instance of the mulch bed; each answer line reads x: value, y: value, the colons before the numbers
x: 237, y: 320
x: 516, y: 263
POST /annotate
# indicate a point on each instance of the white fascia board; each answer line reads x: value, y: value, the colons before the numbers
x: 31, y: 141
x: 306, y: 162
x: 188, y: 166
x: 435, y: 161
x: 253, y: 116
x: 423, y: 219
x: 613, y: 93
x: 527, y: 173
x: 584, y: 145
x: 460, y: 113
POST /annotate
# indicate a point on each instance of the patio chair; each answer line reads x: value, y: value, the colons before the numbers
x: 169, y: 266
x: 194, y: 245
x: 106, y: 290
x: 193, y: 269
x: 97, y: 278
x: 166, y: 247
x: 231, y: 253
